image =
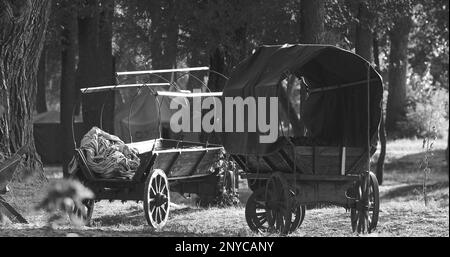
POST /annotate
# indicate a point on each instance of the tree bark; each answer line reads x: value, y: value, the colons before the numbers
x: 22, y: 32
x: 87, y: 70
x: 95, y: 63
x: 41, y: 102
x: 68, y: 85
x: 312, y: 21
x: 398, y: 61
x: 216, y: 83
x: 107, y: 70
x: 312, y: 29
x: 164, y: 35
x: 363, y: 34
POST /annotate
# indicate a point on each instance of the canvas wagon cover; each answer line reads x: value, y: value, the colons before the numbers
x: 338, y: 117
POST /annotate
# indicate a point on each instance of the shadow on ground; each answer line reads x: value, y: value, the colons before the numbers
x: 147, y: 232
x: 413, y: 162
x: 412, y: 190
x: 136, y: 217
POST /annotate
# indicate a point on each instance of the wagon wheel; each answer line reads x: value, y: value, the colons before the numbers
x: 364, y: 217
x: 83, y: 214
x: 156, y: 199
x: 278, y: 204
x: 298, y: 215
x: 255, y: 213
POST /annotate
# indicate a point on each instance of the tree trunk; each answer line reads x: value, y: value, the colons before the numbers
x: 312, y: 21
x: 87, y: 70
x: 312, y: 29
x: 156, y: 36
x: 363, y: 34
x: 95, y: 64
x: 164, y: 36
x: 196, y: 59
x: 41, y: 102
x: 382, y: 130
x: 107, y: 70
x: 22, y: 32
x: 398, y: 61
x: 216, y: 83
x: 68, y: 85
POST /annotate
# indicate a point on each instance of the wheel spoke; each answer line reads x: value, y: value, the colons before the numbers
x: 158, y: 212
x: 159, y: 184
x: 164, y: 188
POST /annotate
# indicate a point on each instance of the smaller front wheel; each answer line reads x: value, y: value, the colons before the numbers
x: 156, y: 199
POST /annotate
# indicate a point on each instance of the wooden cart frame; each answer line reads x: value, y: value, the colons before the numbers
x: 186, y: 166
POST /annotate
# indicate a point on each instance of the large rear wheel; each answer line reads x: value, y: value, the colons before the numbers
x: 278, y: 204
x: 256, y: 213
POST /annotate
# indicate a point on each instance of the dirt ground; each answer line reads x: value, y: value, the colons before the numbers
x: 403, y: 212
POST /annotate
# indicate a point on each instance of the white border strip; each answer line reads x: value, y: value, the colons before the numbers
x: 182, y: 94
x: 161, y: 71
x: 105, y: 88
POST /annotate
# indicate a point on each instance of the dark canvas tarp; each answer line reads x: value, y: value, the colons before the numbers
x: 337, y: 117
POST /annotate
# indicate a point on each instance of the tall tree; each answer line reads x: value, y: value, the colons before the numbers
x: 95, y: 62
x: 22, y: 31
x: 398, y: 63
x: 41, y: 100
x: 312, y: 21
x: 363, y: 31
x: 366, y: 45
x: 68, y: 76
x: 312, y: 29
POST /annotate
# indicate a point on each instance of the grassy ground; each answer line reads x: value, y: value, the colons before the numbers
x: 403, y: 212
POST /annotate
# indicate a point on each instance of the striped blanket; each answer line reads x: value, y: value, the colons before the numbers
x: 108, y: 156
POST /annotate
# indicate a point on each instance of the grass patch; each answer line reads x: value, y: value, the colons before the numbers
x: 403, y: 212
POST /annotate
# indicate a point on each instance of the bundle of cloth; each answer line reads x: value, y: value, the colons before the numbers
x: 108, y: 156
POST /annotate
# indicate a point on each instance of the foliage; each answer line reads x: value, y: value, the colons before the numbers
x: 427, y: 144
x: 227, y: 193
x: 146, y: 33
x: 428, y: 108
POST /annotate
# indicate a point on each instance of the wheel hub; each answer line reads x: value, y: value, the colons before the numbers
x: 160, y: 199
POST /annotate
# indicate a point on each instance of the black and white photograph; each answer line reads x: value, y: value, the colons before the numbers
x: 253, y: 121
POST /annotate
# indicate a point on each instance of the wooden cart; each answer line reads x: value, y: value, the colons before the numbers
x: 186, y: 166
x: 323, y: 149
x: 165, y: 164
